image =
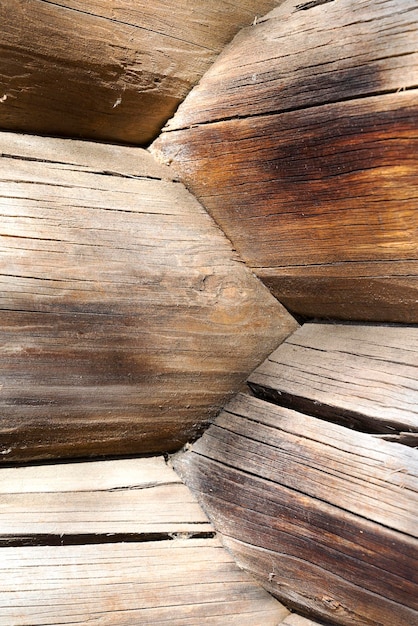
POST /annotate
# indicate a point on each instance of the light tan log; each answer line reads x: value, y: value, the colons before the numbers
x: 126, y: 319
x: 323, y: 516
x: 360, y: 375
x: 108, y: 70
x: 180, y: 583
x: 301, y: 142
x: 298, y: 620
x: 137, y: 498
x: 159, y: 568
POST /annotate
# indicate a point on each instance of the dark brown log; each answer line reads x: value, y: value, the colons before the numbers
x: 108, y: 70
x: 324, y: 517
x: 362, y: 375
x: 301, y: 142
x: 126, y: 319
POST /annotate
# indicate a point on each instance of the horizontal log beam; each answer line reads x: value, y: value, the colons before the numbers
x: 301, y: 142
x: 361, y: 375
x: 324, y: 517
x: 114, y: 71
x: 126, y: 318
x: 69, y: 574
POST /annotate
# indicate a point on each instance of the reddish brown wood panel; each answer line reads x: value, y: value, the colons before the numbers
x: 126, y: 319
x: 301, y: 142
x: 108, y: 70
x: 361, y: 375
x: 324, y: 517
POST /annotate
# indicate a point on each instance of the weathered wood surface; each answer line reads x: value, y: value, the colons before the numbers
x: 298, y: 620
x: 135, y: 498
x: 363, y: 375
x: 110, y: 70
x: 69, y: 576
x: 301, y: 142
x: 324, y: 517
x: 180, y: 583
x: 126, y: 319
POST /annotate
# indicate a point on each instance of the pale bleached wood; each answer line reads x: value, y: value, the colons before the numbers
x: 133, y: 496
x: 298, y: 620
x: 301, y: 142
x: 176, y: 583
x: 88, y: 476
x: 366, y: 374
x: 126, y: 318
x: 165, y: 509
x: 323, y: 516
x: 110, y: 70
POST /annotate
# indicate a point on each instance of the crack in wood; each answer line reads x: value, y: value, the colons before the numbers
x: 123, y: 23
x: 293, y: 109
x: 81, y: 539
x: 310, y: 5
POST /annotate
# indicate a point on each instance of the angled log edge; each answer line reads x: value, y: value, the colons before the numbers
x: 323, y: 517
x: 301, y: 142
x: 126, y: 319
x: 111, y: 70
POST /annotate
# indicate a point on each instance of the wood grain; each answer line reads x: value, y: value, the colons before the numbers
x: 301, y: 142
x: 56, y: 566
x: 181, y: 583
x: 121, y: 497
x: 126, y: 319
x: 361, y: 375
x: 324, y: 517
x: 298, y: 620
x: 114, y: 71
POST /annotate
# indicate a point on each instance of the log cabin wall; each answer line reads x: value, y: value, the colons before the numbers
x: 106, y: 70
x: 126, y: 319
x: 301, y: 142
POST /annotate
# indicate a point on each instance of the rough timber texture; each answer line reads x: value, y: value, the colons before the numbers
x: 133, y: 499
x: 106, y: 69
x: 126, y: 319
x: 69, y: 576
x: 361, y: 375
x: 301, y: 141
x: 298, y: 620
x: 323, y: 517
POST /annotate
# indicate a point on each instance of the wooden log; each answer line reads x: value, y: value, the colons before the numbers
x: 68, y: 575
x: 133, y: 500
x: 301, y: 142
x: 361, y: 375
x: 113, y: 71
x: 181, y: 583
x: 126, y: 319
x: 322, y: 516
x: 298, y: 620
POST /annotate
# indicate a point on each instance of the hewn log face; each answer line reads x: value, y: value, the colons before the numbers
x: 364, y: 376
x: 126, y: 319
x: 164, y: 565
x: 110, y: 70
x: 301, y: 142
x: 181, y: 583
x: 324, y: 517
x: 129, y: 499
